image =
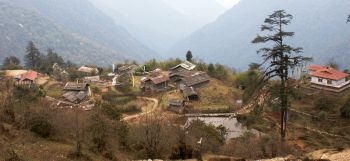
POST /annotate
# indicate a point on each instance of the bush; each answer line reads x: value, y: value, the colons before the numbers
x: 96, y: 89
x: 345, y: 109
x: 323, y: 116
x: 41, y: 126
x: 25, y: 93
x: 112, y: 112
x: 325, y: 102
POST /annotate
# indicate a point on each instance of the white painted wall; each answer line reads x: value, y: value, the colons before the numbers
x: 325, y: 81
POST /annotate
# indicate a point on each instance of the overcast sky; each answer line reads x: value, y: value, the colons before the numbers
x: 228, y: 3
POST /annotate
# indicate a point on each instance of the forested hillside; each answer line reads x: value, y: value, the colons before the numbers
x: 320, y: 28
x: 74, y: 28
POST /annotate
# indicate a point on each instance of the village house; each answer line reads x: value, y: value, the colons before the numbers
x: 327, y: 78
x: 159, y: 83
x: 190, y: 94
x: 125, y: 69
x: 76, y: 92
x: 185, y: 65
x: 196, y: 80
x: 88, y: 70
x: 176, y: 105
x: 27, y: 78
x: 178, y: 74
x: 92, y: 79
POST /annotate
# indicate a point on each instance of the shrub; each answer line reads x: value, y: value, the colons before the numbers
x: 112, y: 112
x: 325, y: 102
x: 7, y: 115
x: 345, y: 109
x: 25, y: 93
x: 96, y: 89
x: 41, y: 126
x: 323, y: 115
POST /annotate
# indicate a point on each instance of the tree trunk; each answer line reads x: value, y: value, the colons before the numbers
x: 284, y: 102
x: 282, y: 92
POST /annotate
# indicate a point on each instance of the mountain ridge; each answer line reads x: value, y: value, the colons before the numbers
x: 105, y: 39
x: 229, y: 37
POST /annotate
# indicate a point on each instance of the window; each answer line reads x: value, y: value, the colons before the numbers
x: 320, y: 80
x: 329, y: 81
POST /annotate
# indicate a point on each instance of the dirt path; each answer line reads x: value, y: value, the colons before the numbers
x: 154, y: 108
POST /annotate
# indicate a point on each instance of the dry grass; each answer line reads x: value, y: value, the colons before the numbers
x: 13, y: 73
x: 54, y: 90
x: 217, y: 94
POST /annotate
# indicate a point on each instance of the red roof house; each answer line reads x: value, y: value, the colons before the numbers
x: 328, y: 77
x: 27, y: 78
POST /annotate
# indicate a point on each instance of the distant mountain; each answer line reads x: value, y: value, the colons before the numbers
x: 75, y: 28
x: 319, y: 26
x: 160, y: 23
x: 203, y: 11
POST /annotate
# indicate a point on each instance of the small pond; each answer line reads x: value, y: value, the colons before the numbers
x: 235, y: 129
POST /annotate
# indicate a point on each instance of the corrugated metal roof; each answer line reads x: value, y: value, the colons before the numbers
x: 72, y: 86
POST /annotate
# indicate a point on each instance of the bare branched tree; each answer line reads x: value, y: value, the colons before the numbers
x: 279, y: 58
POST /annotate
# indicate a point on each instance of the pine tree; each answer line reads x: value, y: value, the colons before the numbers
x: 211, y: 69
x: 348, y: 19
x: 53, y: 57
x: 189, y: 55
x: 281, y: 57
x: 32, y: 59
x: 11, y: 62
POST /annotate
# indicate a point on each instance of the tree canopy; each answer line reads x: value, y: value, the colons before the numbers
x: 32, y: 58
x: 189, y: 55
x: 11, y: 62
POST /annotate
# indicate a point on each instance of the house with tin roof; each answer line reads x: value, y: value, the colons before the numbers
x: 88, y: 70
x: 196, y: 80
x: 76, y: 92
x: 328, y: 78
x: 185, y: 65
x: 159, y: 83
x: 27, y: 78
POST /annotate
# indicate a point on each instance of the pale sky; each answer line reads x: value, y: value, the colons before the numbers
x: 228, y: 3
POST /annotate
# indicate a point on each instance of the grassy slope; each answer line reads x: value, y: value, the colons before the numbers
x: 217, y: 96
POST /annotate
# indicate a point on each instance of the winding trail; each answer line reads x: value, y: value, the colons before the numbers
x: 154, y: 108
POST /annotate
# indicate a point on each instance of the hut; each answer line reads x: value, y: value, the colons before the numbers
x: 27, y: 78
x: 176, y: 105
x: 196, y: 80
x: 88, y: 70
x: 92, y: 79
x: 190, y: 94
x: 159, y: 83
x: 76, y: 92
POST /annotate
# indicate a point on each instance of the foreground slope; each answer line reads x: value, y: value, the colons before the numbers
x: 319, y: 25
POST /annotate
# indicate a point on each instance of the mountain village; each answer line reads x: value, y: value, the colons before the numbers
x: 103, y: 80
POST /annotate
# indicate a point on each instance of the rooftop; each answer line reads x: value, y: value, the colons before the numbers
x: 72, y: 86
x: 186, y: 65
x: 326, y: 72
x: 30, y: 75
x: 189, y: 91
x: 87, y: 69
x: 73, y: 96
x: 196, y: 78
x: 156, y: 80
